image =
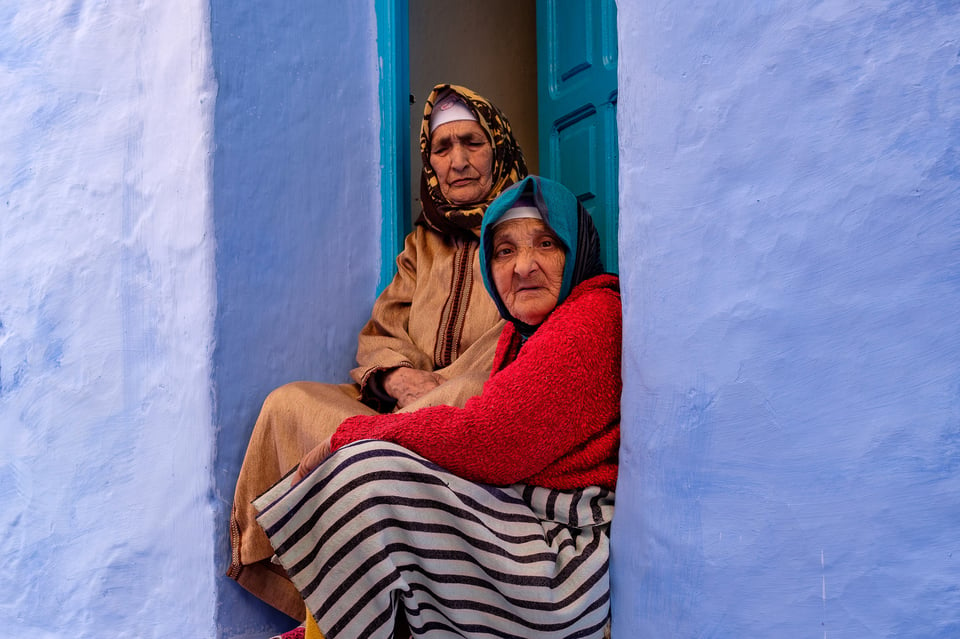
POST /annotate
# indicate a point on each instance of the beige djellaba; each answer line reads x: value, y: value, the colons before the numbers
x: 434, y: 316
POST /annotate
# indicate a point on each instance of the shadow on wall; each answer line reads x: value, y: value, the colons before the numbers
x: 295, y: 196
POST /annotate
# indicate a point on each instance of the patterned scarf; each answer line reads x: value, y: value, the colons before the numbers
x: 508, y: 166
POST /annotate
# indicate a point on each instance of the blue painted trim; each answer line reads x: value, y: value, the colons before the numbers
x: 545, y: 71
x: 394, y: 58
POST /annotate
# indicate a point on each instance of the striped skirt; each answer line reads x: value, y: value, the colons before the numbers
x: 376, y: 528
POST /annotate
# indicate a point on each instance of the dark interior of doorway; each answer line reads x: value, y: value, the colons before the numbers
x: 489, y: 47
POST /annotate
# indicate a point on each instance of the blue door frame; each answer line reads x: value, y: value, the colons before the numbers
x: 393, y: 54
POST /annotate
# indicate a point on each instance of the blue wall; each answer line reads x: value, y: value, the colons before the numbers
x: 790, y: 250
x: 106, y: 320
x: 296, y: 207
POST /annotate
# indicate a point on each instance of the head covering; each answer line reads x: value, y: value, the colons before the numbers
x: 450, y: 109
x: 565, y: 216
x: 508, y: 165
x: 523, y: 208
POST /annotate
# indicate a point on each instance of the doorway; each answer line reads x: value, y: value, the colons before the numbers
x: 563, y: 112
x: 489, y: 47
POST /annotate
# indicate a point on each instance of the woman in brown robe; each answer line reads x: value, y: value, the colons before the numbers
x: 431, y: 336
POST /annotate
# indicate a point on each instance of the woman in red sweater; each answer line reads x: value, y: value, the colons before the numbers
x: 491, y: 519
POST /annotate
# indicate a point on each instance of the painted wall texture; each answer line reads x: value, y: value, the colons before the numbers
x: 106, y: 320
x: 169, y: 254
x: 296, y: 207
x: 790, y: 252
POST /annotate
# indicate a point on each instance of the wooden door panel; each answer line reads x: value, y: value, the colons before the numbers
x: 577, y: 99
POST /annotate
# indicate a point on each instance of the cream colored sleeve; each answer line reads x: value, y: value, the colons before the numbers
x: 384, y: 341
x: 466, y: 376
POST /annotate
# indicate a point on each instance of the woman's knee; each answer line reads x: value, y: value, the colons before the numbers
x: 282, y: 397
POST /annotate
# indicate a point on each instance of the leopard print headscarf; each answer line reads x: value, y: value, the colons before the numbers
x: 508, y: 165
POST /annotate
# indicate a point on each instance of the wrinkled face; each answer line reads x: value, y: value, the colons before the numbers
x: 462, y: 158
x: 527, y: 268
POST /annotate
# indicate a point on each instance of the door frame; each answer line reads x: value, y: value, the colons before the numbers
x: 393, y: 56
x: 393, y: 53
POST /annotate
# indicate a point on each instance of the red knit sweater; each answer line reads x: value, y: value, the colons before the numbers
x: 549, y: 414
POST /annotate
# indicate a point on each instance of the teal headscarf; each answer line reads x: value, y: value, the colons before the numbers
x: 566, y: 217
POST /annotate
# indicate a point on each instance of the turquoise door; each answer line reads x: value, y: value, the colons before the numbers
x: 577, y: 113
x: 577, y: 106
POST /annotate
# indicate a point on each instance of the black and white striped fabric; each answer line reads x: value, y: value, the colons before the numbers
x: 377, y: 526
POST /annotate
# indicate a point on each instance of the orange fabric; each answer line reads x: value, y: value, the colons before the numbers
x: 313, y: 632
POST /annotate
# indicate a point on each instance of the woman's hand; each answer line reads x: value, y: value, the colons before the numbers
x: 407, y: 385
x: 311, y: 460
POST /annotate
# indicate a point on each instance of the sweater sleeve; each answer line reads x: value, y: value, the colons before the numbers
x: 561, y: 391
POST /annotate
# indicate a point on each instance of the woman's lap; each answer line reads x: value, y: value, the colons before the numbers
x: 294, y: 418
x: 461, y: 558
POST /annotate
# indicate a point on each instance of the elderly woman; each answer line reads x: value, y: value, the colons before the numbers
x: 431, y: 336
x: 489, y: 520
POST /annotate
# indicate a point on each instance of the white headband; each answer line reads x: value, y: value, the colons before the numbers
x: 449, y: 109
x: 520, y: 212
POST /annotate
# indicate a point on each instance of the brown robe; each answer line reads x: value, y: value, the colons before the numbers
x: 434, y: 316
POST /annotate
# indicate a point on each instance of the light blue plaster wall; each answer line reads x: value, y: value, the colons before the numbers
x: 296, y: 201
x: 790, y: 252
x: 106, y: 320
